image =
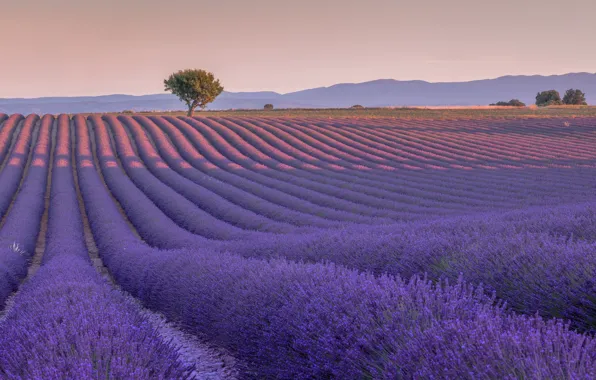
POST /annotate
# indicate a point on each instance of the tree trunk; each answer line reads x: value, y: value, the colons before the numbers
x: 191, y: 111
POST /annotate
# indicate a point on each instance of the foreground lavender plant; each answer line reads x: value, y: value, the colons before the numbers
x: 294, y: 320
x: 66, y: 321
x: 540, y: 261
x: 22, y: 223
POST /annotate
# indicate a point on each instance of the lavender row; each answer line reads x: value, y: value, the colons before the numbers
x: 429, y: 252
x: 237, y: 175
x: 175, y: 206
x: 289, y: 320
x: 285, y: 172
x: 405, y: 187
x: 18, y: 235
x: 292, y: 320
x: 379, y: 183
x: 188, y: 162
x: 500, y: 182
x: 539, y: 261
x: 65, y: 227
x: 524, y: 150
x: 247, y: 155
x: 11, y: 175
x: 200, y: 196
x: 67, y: 322
x: 6, y: 132
x: 150, y: 222
x: 342, y: 195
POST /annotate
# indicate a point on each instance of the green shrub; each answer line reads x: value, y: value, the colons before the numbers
x: 575, y: 97
x: 511, y: 103
x: 548, y: 98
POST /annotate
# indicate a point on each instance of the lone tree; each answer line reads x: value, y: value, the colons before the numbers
x: 575, y: 97
x: 196, y: 88
x: 548, y: 98
x: 268, y: 106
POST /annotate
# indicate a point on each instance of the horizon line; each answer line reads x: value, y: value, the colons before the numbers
x: 307, y: 89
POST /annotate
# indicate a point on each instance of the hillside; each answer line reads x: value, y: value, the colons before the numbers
x: 378, y: 93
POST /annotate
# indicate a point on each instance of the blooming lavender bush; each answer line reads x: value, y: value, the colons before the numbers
x: 22, y: 223
x: 11, y: 176
x: 9, y: 127
x: 200, y: 196
x: 306, y: 248
x: 293, y: 320
x: 532, y: 260
x: 265, y: 189
x: 66, y: 321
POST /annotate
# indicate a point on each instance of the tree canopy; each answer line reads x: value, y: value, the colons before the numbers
x: 575, y: 97
x: 548, y: 98
x: 196, y: 88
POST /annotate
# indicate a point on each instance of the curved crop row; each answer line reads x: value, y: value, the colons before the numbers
x: 437, y: 161
x: 174, y: 205
x: 309, y: 201
x: 369, y: 186
x: 291, y: 320
x: 454, y: 184
x: 451, y: 177
x: 11, y: 175
x: 287, y: 242
x: 272, y: 170
x: 289, y: 168
x: 381, y: 183
x: 67, y: 322
x: 201, y: 156
x: 230, y: 156
x: 150, y: 222
x: 6, y: 132
x: 188, y: 162
x: 18, y: 235
x: 201, y: 197
x: 508, y: 151
x: 538, y: 262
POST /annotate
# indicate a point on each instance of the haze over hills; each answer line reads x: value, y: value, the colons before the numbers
x: 378, y: 93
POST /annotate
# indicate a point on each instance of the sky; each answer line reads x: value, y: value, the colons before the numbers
x: 95, y: 47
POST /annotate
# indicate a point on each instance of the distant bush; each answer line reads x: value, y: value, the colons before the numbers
x: 357, y: 107
x: 548, y: 98
x: 511, y: 103
x: 268, y: 107
x: 575, y: 97
x: 128, y: 111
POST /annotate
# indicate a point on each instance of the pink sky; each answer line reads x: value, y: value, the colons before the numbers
x: 84, y: 47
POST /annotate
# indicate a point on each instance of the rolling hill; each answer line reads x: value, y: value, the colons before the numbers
x: 378, y: 93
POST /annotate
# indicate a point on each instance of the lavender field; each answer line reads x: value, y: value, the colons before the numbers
x: 297, y: 247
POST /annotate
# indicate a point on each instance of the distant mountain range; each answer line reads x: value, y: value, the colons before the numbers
x: 378, y: 93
